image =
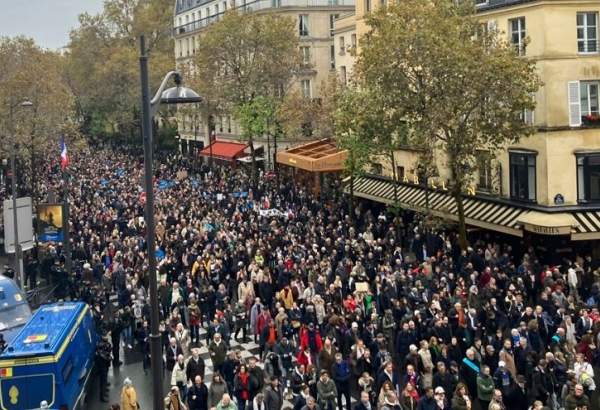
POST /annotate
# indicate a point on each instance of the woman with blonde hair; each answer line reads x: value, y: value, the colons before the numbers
x: 386, y: 388
x: 129, y: 396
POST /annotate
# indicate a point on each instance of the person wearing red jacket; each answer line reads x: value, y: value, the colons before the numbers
x: 311, y: 338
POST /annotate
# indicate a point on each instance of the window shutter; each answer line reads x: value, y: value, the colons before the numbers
x: 574, y: 104
x: 529, y: 117
x: 530, y: 114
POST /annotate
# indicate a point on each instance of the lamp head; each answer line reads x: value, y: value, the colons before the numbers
x: 179, y: 95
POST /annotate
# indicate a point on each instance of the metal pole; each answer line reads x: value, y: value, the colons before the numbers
x: 268, y: 165
x: 210, y: 142
x: 18, y: 258
x: 155, y: 347
x: 13, y: 169
x: 66, y: 226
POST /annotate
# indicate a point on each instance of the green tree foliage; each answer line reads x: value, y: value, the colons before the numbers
x: 247, y: 55
x: 256, y: 117
x: 103, y: 66
x: 353, y: 124
x: 29, y: 73
x: 457, y: 87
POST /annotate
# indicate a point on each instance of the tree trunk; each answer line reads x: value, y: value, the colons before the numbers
x: 253, y: 156
x: 351, y: 201
x: 462, y: 226
x: 275, y: 167
x: 393, y: 161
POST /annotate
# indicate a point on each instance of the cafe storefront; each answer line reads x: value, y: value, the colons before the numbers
x: 314, y: 164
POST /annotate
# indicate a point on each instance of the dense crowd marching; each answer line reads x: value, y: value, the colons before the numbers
x: 365, y: 306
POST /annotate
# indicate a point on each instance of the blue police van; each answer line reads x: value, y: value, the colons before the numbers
x: 14, y: 309
x: 50, y: 359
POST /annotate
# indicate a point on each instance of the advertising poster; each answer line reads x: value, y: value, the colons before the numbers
x: 49, y: 223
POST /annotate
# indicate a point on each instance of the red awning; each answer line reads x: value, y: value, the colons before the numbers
x: 224, y: 150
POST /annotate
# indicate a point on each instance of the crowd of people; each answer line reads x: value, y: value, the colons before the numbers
x: 363, y: 309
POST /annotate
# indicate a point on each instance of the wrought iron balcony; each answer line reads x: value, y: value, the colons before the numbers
x: 258, y: 5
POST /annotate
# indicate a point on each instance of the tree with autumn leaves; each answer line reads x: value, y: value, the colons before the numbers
x: 428, y: 67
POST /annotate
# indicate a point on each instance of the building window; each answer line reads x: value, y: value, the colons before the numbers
x: 484, y: 168
x: 377, y: 169
x: 303, y: 25
x: 481, y: 2
x: 332, y: 18
x: 588, y: 178
x: 305, y: 51
x: 342, y: 46
x: 522, y: 176
x: 275, y: 3
x: 306, y: 91
x: 332, y: 57
x: 588, y: 91
x: 587, y: 32
x: 400, y: 172
x: 343, y: 75
x: 224, y: 6
x: 353, y: 41
x: 367, y: 6
x: 517, y: 34
x: 180, y: 48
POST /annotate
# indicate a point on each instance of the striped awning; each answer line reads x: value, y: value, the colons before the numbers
x: 588, y: 226
x: 478, y: 212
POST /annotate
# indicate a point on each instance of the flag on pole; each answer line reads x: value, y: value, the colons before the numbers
x: 64, y: 156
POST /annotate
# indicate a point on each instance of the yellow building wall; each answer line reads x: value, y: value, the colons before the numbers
x: 551, y: 27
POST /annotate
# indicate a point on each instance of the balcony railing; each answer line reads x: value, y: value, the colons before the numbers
x: 257, y: 6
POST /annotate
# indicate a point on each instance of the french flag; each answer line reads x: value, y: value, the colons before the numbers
x: 64, y: 156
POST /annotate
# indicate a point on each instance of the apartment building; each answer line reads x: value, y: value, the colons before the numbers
x: 547, y: 185
x: 315, y: 28
x: 345, y: 44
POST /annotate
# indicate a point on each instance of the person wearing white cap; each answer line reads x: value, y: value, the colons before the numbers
x: 128, y: 396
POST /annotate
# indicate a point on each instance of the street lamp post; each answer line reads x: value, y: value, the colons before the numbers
x: 13, y: 170
x: 174, y: 95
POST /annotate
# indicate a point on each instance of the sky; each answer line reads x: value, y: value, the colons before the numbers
x: 48, y: 22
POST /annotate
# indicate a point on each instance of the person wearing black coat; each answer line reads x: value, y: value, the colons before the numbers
x: 516, y: 397
x: 364, y: 402
x: 541, y: 383
x: 198, y: 395
x: 173, y: 351
x: 195, y: 366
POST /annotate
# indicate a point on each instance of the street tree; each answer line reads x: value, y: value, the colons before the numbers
x: 30, y: 73
x: 458, y: 87
x: 256, y: 117
x: 353, y: 132
x: 245, y: 56
x: 102, y: 63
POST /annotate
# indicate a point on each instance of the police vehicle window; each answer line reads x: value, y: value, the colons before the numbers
x: 2, y: 294
x: 14, y: 316
x: 67, y: 370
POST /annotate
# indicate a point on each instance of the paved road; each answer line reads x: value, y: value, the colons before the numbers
x: 132, y: 368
